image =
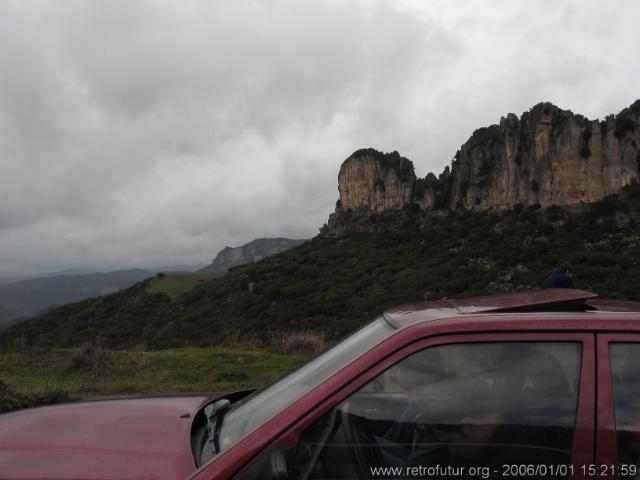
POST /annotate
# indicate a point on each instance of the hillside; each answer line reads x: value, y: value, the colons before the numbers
x: 361, y: 264
x: 27, y: 297
x: 176, y: 284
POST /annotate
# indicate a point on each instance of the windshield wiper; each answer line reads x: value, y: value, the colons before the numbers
x: 214, y: 422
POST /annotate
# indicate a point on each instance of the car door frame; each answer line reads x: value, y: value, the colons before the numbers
x: 584, y: 433
x: 606, y: 448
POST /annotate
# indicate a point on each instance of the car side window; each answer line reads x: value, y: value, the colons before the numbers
x: 625, y: 371
x: 480, y: 405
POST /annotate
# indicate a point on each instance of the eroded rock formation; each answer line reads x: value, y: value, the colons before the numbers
x: 373, y: 180
x: 253, y: 251
x: 548, y: 156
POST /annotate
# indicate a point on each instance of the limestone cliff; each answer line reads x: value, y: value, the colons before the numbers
x: 373, y: 180
x: 547, y: 156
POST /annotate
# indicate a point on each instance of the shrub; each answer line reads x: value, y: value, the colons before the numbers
x: 92, y: 358
x: 624, y: 124
x: 11, y: 400
x: 608, y: 206
x: 422, y: 185
x: 585, y: 151
x: 632, y: 191
x: 554, y: 213
x: 487, y: 136
x: 300, y: 343
x: 232, y: 376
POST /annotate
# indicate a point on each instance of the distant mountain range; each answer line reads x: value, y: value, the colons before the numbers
x: 253, y: 251
x: 25, y: 298
x: 17, y: 278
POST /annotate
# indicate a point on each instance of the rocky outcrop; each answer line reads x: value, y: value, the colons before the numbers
x: 376, y: 181
x: 548, y: 156
x: 253, y: 251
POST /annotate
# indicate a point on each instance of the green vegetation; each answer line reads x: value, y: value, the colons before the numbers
x: 585, y: 138
x: 441, y: 187
x: 120, y: 317
x: 487, y: 137
x: 627, y: 120
x: 11, y: 400
x: 332, y: 285
x: 422, y: 185
x: 624, y: 124
x: 559, y: 118
x: 39, y: 376
x: 27, y: 297
x: 210, y: 332
x: 175, y: 285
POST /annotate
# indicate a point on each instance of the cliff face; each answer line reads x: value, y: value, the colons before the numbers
x: 253, y: 251
x: 548, y: 156
x: 373, y: 180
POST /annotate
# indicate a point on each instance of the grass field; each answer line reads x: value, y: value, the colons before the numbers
x: 93, y: 372
x: 177, y: 284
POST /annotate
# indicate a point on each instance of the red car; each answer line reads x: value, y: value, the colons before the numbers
x: 542, y: 384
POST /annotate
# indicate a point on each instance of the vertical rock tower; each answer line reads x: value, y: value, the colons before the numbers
x: 377, y: 181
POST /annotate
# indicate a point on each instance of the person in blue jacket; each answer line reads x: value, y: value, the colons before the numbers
x: 561, y: 278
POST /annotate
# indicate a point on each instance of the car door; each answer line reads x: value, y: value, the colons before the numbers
x: 517, y: 405
x: 618, y: 406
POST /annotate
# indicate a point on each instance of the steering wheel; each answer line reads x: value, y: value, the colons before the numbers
x: 361, y: 447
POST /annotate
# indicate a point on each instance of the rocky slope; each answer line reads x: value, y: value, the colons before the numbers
x: 548, y: 156
x: 253, y: 251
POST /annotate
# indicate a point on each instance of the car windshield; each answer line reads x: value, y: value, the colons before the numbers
x: 253, y: 411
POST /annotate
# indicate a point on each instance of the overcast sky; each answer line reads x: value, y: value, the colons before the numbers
x: 138, y: 133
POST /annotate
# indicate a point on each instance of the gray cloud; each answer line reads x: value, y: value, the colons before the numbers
x: 139, y: 133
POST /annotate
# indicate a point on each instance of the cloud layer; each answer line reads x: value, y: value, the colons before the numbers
x: 145, y: 133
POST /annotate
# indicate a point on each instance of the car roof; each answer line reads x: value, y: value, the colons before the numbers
x: 549, y: 300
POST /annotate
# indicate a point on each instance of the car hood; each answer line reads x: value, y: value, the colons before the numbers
x: 142, y: 438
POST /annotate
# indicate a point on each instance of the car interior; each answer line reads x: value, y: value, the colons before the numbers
x: 518, y: 407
